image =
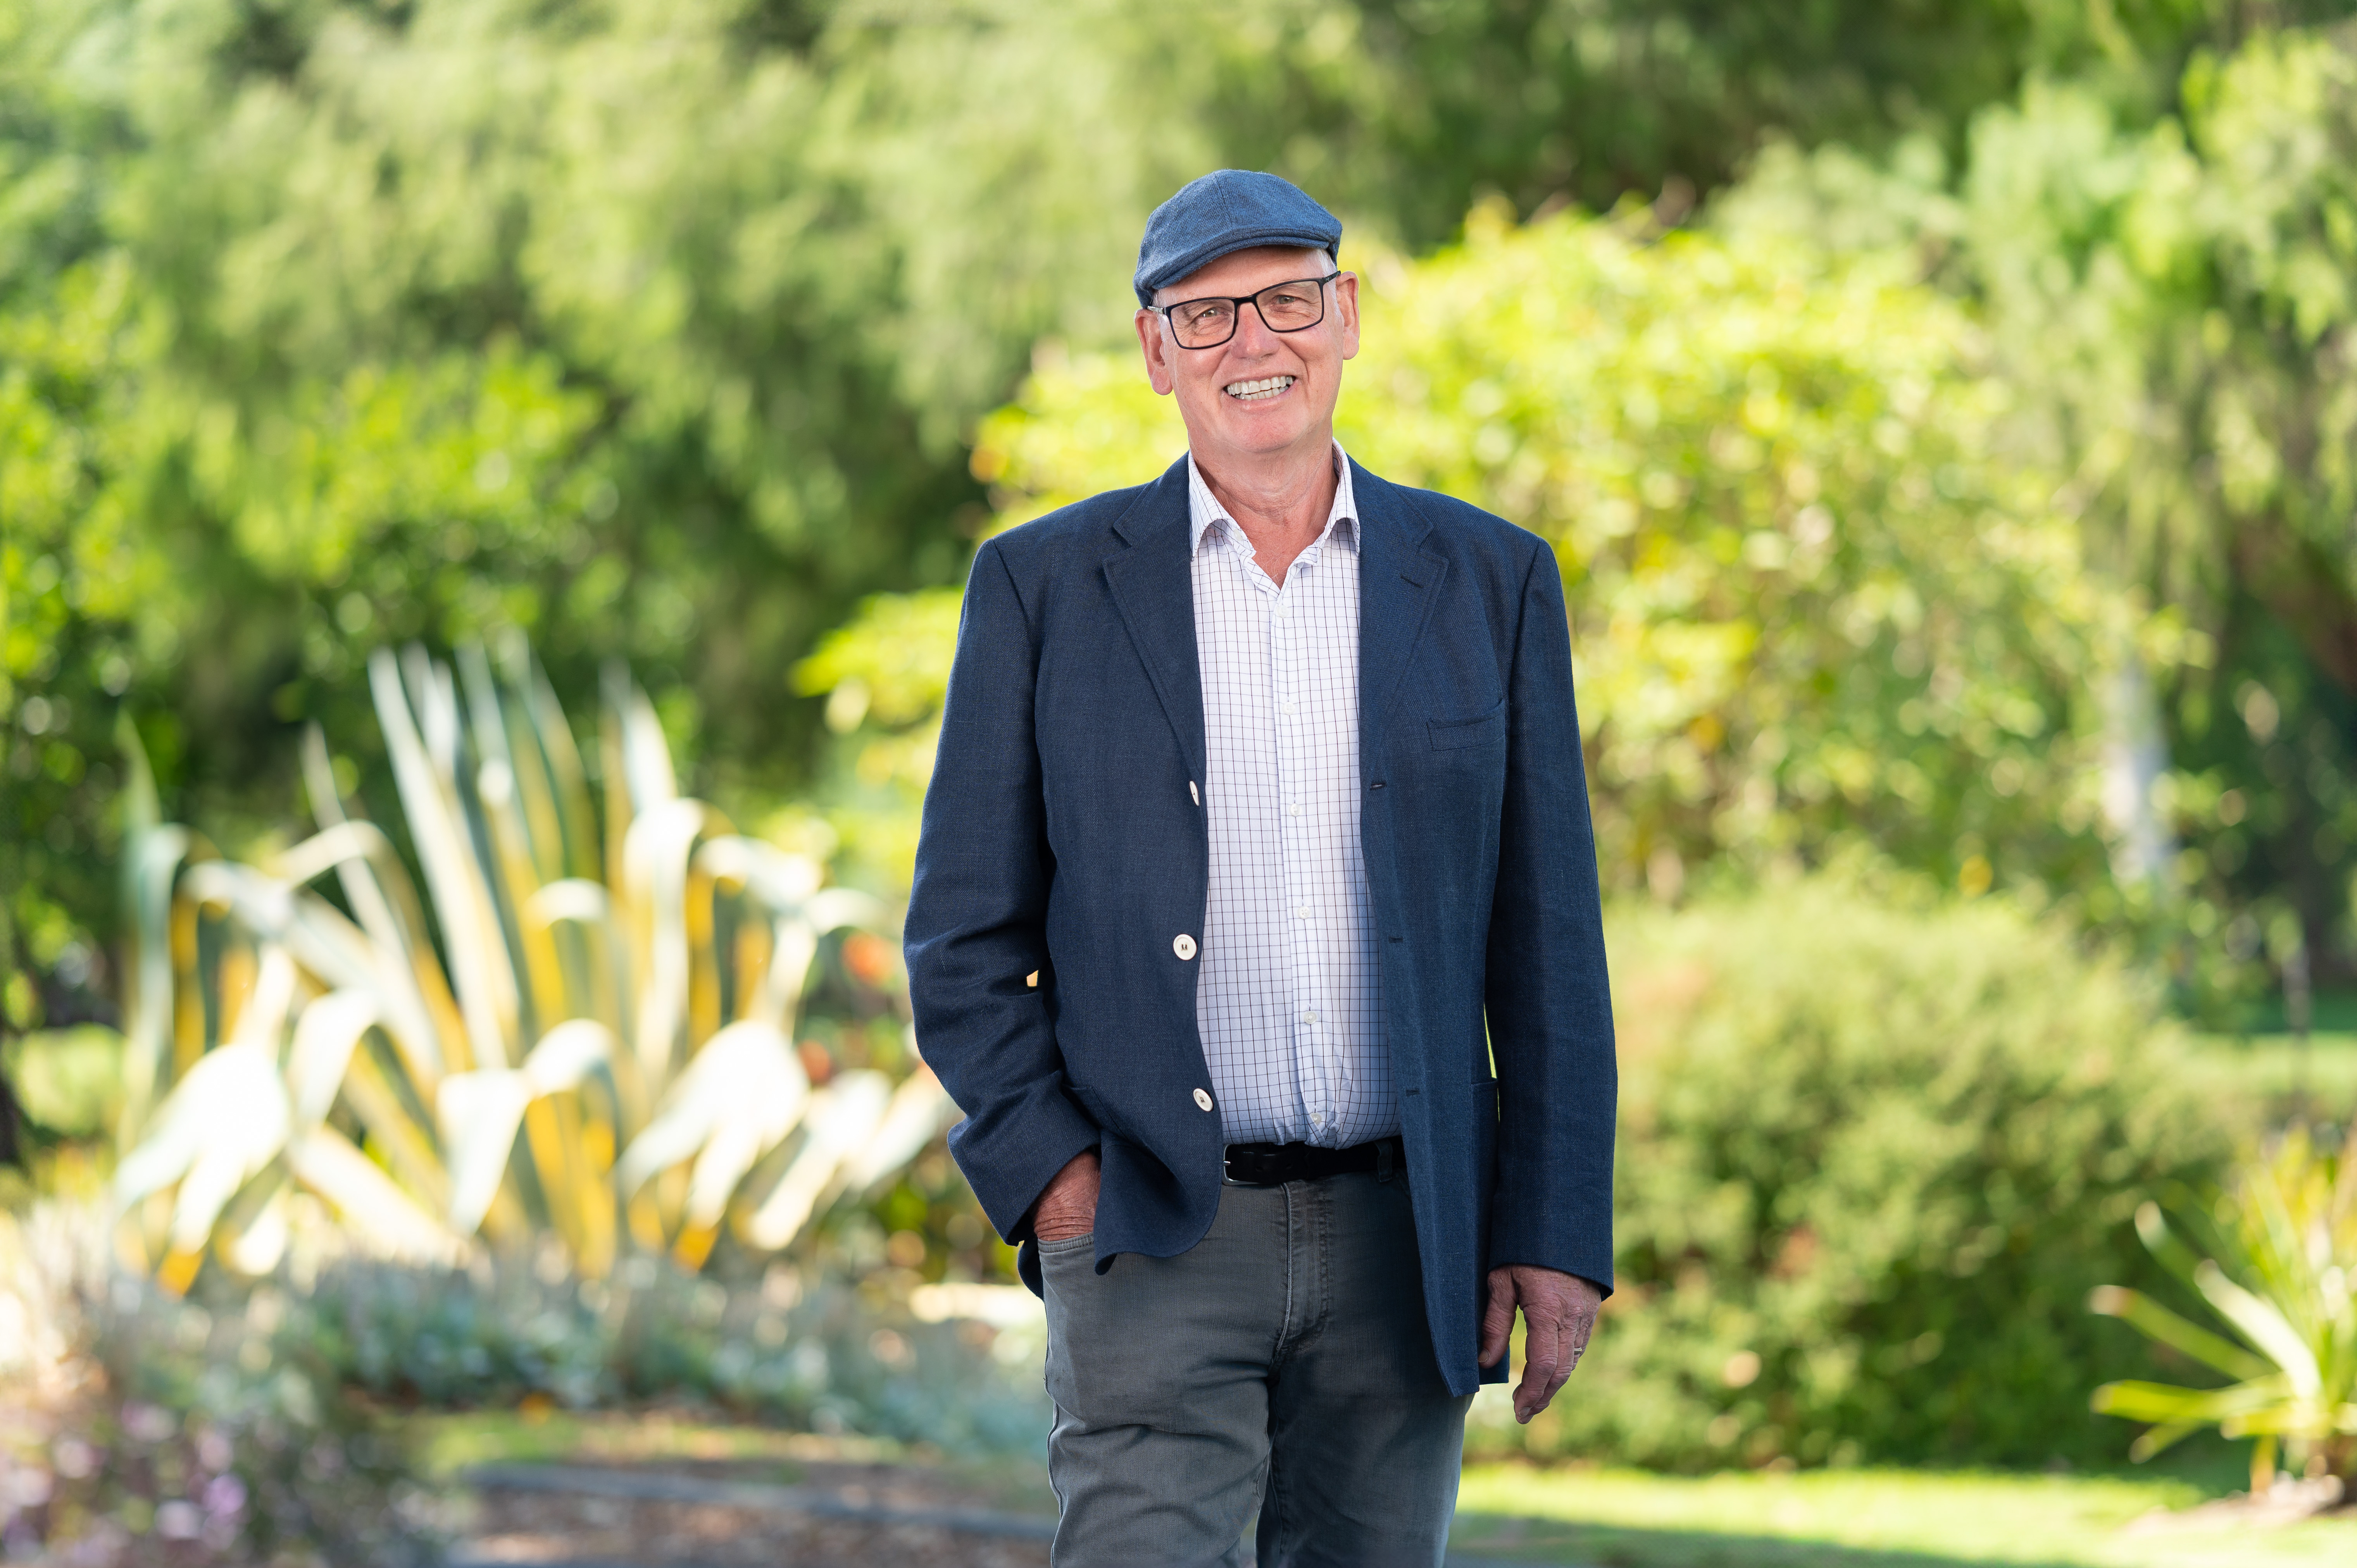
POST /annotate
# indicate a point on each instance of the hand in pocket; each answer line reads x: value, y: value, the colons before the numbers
x: 1068, y: 1207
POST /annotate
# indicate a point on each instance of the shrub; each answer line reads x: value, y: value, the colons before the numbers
x: 2287, y: 1228
x: 634, y: 981
x: 806, y: 1351
x: 1874, y: 1155
x: 141, y: 1428
x: 1816, y: 600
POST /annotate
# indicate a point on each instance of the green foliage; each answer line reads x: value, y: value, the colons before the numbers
x: 1814, y: 598
x: 652, y: 330
x: 1872, y: 1154
x: 818, y: 1357
x: 632, y: 983
x: 2169, y: 302
x: 1433, y: 103
x: 2286, y: 1227
x: 73, y: 580
x: 885, y: 676
x: 143, y: 1428
x: 69, y: 1082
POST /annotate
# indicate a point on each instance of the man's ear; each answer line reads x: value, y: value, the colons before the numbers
x: 1157, y: 349
x: 1346, y: 305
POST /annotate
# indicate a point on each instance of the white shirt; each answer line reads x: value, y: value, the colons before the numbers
x: 1286, y: 1000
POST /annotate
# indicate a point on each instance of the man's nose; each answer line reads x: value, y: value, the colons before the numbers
x: 1253, y: 334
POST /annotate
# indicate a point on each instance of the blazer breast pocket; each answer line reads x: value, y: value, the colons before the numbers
x: 1456, y: 735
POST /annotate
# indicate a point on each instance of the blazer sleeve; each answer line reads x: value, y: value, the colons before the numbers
x: 1547, y: 996
x: 977, y: 915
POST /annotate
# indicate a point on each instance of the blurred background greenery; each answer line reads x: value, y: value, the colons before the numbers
x: 665, y: 333
x: 1942, y: 411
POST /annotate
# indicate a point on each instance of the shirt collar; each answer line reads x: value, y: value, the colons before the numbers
x: 1204, y: 511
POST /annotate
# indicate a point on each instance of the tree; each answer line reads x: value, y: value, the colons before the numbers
x: 2172, y: 303
x: 1815, y: 602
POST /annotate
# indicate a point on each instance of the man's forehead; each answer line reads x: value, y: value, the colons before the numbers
x: 1242, y: 272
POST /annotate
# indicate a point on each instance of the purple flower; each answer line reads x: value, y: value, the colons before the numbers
x: 224, y: 1497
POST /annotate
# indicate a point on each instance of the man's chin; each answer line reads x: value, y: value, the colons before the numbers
x: 1262, y: 435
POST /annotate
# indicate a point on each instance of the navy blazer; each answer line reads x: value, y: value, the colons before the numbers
x: 1061, y: 836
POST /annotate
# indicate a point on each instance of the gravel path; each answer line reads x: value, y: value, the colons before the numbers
x: 710, y: 1516
x: 840, y: 1516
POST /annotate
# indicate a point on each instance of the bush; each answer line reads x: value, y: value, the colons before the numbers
x: 137, y: 1428
x: 1815, y: 599
x: 1873, y: 1158
x: 810, y: 1352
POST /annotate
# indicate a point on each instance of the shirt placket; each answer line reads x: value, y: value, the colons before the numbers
x: 1289, y: 662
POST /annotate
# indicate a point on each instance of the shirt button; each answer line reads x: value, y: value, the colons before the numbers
x: 1183, y: 945
x: 1303, y: 911
x: 1285, y: 708
x: 1281, y: 612
x: 1203, y: 1099
x: 1295, y: 808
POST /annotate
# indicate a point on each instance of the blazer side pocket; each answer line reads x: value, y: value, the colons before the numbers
x: 1094, y: 1104
x: 1452, y: 734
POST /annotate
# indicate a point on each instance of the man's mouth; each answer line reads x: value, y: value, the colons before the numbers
x: 1258, y: 392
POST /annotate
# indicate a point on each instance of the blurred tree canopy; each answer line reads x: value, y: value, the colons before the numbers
x: 658, y: 331
x: 1817, y: 601
x: 2175, y: 303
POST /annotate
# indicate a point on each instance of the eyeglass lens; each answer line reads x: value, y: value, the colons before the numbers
x: 1284, y: 306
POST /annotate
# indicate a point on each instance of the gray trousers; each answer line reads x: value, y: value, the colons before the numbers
x: 1283, y: 1363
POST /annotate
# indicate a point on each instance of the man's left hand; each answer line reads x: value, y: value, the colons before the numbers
x: 1558, y: 1315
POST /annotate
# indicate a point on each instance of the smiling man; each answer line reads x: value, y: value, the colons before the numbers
x: 1256, y: 929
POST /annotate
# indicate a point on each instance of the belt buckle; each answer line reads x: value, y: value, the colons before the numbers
x: 1244, y: 1167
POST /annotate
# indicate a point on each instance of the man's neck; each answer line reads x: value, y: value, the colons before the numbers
x: 1280, y: 500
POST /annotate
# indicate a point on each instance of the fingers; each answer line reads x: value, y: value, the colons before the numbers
x: 1542, y: 1371
x: 1568, y: 1352
x: 1577, y: 1332
x: 1497, y: 1317
x: 1568, y: 1334
x: 1063, y: 1224
x: 1069, y: 1206
x: 1558, y: 1316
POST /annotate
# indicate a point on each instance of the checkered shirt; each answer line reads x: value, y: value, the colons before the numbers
x: 1286, y: 999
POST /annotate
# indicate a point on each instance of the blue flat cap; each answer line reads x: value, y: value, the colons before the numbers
x: 1228, y: 210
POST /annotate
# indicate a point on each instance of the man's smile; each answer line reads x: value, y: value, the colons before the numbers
x: 1260, y: 390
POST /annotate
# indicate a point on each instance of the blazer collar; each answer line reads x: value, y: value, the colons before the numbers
x: 1150, y: 575
x: 1154, y: 588
x: 1399, y: 580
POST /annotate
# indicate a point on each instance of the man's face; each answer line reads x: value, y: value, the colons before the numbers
x: 1261, y: 391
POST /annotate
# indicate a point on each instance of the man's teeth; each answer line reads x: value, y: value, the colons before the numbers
x: 1254, y: 391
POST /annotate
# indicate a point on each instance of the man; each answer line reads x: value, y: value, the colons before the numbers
x: 1258, y: 835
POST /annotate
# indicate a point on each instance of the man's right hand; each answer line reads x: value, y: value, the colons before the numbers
x: 1068, y: 1207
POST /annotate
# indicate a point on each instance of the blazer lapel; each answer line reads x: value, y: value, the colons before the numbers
x: 1153, y: 585
x: 1398, y: 581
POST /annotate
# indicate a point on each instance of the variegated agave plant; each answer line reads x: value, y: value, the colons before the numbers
x: 2281, y: 1275
x: 625, y: 999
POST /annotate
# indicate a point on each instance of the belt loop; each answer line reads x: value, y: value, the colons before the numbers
x: 1383, y: 1160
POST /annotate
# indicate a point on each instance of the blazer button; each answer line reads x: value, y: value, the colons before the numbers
x: 1183, y: 945
x: 1203, y: 1099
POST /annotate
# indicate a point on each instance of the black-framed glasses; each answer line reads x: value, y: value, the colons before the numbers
x: 1284, y: 307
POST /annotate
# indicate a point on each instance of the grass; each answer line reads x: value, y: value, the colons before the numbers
x: 2274, y: 1078
x: 1858, y: 1519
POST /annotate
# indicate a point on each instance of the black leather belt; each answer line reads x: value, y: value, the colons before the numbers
x: 1273, y: 1164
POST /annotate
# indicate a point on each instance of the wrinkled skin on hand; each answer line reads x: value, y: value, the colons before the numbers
x: 1068, y: 1207
x: 1558, y: 1315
